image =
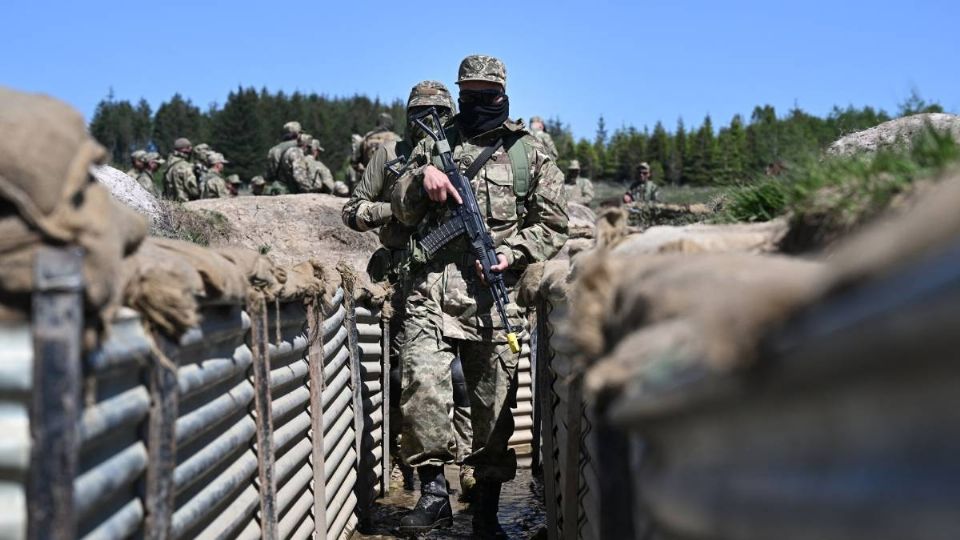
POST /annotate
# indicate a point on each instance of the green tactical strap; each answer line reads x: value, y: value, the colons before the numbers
x: 521, y: 174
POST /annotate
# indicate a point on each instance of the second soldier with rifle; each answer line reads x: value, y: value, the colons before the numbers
x: 461, y: 299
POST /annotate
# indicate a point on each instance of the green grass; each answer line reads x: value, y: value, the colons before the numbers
x: 830, y: 197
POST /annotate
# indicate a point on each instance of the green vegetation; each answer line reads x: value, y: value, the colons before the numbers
x: 203, y: 227
x: 830, y: 197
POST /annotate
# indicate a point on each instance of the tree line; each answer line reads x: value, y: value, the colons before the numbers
x: 249, y: 123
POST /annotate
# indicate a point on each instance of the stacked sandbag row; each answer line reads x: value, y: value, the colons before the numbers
x: 211, y: 387
x: 730, y: 392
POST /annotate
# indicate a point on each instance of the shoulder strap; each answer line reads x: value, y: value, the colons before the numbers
x: 482, y: 159
x: 520, y: 164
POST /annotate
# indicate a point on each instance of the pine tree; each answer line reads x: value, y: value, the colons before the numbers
x: 658, y: 150
x: 178, y: 118
x: 678, y: 155
x: 236, y: 133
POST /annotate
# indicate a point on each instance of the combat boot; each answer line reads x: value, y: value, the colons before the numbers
x: 485, y: 507
x: 433, y: 509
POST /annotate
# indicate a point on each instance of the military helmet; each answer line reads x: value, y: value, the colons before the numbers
x: 305, y: 139
x: 138, y: 155
x: 151, y: 157
x: 257, y: 181
x: 643, y: 167
x: 234, y: 179
x: 291, y: 129
x: 430, y: 94
x: 182, y: 144
x: 574, y: 165
x: 385, y: 121
x: 215, y: 157
x: 315, y: 145
x: 480, y: 67
x: 536, y: 119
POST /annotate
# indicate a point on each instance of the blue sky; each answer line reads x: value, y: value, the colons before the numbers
x: 632, y: 62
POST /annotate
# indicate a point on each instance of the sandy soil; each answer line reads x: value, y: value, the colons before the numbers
x: 293, y: 228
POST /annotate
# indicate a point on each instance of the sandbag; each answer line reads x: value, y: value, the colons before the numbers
x: 260, y: 272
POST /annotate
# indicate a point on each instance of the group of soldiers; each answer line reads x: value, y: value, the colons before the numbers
x: 453, y: 350
x: 294, y: 166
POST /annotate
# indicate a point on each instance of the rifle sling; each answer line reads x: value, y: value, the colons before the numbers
x: 442, y: 235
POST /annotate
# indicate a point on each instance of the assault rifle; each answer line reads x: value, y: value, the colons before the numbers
x: 467, y: 219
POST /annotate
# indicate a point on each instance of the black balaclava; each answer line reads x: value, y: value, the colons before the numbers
x: 476, y: 118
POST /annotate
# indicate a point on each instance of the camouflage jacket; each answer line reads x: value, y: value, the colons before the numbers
x: 179, y: 182
x: 369, y: 205
x: 133, y: 173
x: 286, y: 164
x: 145, y: 179
x: 525, y: 230
x: 321, y: 179
x: 371, y: 141
x: 214, y: 186
x: 579, y: 192
x: 643, y: 191
x: 547, y: 141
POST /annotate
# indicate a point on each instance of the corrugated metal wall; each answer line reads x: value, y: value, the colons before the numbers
x: 16, y: 384
x: 187, y: 445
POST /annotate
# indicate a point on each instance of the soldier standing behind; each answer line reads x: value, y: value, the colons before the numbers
x: 152, y: 162
x: 642, y: 189
x: 369, y: 208
x: 449, y: 313
x: 136, y: 162
x: 579, y: 189
x: 371, y: 141
x: 538, y: 130
x: 257, y: 185
x: 286, y: 166
x: 322, y: 178
x: 180, y: 182
x: 214, y: 186
x: 234, y: 184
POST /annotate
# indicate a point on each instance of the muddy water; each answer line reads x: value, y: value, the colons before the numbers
x: 521, y: 509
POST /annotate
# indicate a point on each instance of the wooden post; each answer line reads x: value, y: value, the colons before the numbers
x: 315, y: 317
x: 161, y: 440
x: 264, y: 417
x: 546, y: 407
x: 361, y: 489
x: 385, y: 405
x: 57, y: 319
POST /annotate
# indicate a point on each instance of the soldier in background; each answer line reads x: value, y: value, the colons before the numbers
x: 380, y: 135
x: 180, y: 182
x: 286, y: 166
x: 200, y: 154
x: 579, y: 189
x: 321, y: 177
x: 136, y: 162
x: 257, y: 185
x: 214, y: 186
x: 539, y: 131
x: 642, y: 189
x: 234, y: 184
x: 152, y: 162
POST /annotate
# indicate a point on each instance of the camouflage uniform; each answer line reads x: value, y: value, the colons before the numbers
x: 578, y: 189
x: 321, y: 177
x: 372, y: 140
x: 135, y: 156
x: 545, y: 139
x: 449, y: 312
x: 214, y: 185
x: 145, y: 178
x: 286, y: 163
x: 643, y: 189
x: 180, y: 182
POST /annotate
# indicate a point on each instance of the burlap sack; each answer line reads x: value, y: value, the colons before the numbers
x: 302, y: 282
x: 48, y: 197
x: 259, y: 270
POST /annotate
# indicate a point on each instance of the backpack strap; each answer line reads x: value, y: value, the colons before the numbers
x: 520, y: 163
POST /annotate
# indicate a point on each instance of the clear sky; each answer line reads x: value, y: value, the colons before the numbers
x: 632, y: 62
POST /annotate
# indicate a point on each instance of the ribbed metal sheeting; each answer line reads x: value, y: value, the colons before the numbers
x: 16, y: 383
x: 374, y: 457
x: 112, y: 454
x: 522, y: 438
x: 570, y: 478
x: 339, y: 437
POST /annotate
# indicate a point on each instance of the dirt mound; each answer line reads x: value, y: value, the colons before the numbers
x: 894, y: 133
x: 292, y: 228
x: 129, y: 192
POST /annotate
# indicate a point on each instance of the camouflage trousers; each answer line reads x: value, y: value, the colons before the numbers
x: 428, y: 436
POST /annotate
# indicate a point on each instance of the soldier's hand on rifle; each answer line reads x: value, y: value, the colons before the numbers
x: 498, y: 268
x: 438, y: 186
